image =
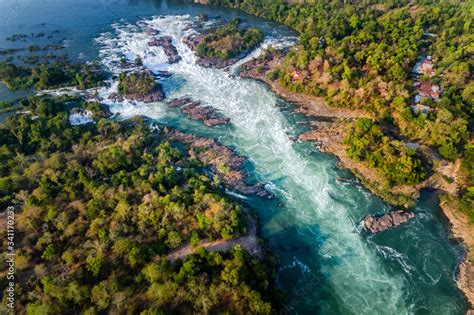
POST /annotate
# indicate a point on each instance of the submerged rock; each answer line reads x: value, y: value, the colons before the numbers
x: 375, y: 224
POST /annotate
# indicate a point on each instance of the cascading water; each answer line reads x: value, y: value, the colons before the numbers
x: 81, y: 118
x: 326, y: 264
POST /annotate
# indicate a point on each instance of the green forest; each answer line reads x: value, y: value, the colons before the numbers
x: 103, y: 204
x: 399, y: 164
x: 228, y: 41
x: 48, y: 76
x: 360, y: 55
x: 136, y: 83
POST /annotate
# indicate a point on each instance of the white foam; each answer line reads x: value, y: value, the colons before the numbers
x: 80, y: 118
x: 234, y: 194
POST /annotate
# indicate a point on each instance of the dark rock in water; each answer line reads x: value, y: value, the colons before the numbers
x: 151, y: 31
x: 163, y: 74
x: 207, y: 114
x: 193, y: 40
x: 179, y: 102
x: 154, y: 42
x: 170, y: 50
x: 216, y: 62
x: 375, y: 224
x: 174, y: 58
x: 156, y: 96
x: 115, y: 97
x: 105, y: 111
x: 211, y: 122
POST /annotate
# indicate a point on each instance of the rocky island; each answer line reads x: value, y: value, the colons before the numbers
x: 223, y: 46
x: 138, y: 86
x: 223, y: 162
x: 379, y: 223
x: 194, y: 110
x: 166, y: 43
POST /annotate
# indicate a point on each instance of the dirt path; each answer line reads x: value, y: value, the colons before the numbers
x: 249, y: 242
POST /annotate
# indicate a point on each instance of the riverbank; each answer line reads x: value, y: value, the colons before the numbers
x: 329, y: 131
x: 463, y: 231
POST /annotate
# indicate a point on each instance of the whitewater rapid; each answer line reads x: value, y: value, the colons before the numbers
x: 317, y: 210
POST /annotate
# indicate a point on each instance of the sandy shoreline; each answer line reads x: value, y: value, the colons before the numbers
x: 329, y: 132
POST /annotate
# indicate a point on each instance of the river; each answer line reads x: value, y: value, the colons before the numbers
x: 327, y: 265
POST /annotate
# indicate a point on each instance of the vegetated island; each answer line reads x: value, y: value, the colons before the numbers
x: 138, y: 86
x: 393, y: 85
x: 101, y: 206
x: 223, y: 46
x: 50, y: 76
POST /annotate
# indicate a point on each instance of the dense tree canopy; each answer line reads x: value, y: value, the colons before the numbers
x: 399, y: 164
x: 46, y: 76
x: 101, y: 205
x: 228, y: 41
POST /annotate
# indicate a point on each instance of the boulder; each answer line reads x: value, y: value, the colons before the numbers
x: 115, y: 97
x: 177, y: 102
x: 151, y: 31
x: 163, y: 74
x: 379, y: 223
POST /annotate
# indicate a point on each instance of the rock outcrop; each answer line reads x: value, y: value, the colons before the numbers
x: 170, y: 50
x: 151, y: 31
x: 375, y: 224
x: 177, y: 102
x: 194, y: 110
x: 156, y: 95
x: 222, y: 160
x: 116, y: 97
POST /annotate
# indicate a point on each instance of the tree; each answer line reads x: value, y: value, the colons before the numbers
x: 138, y: 61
